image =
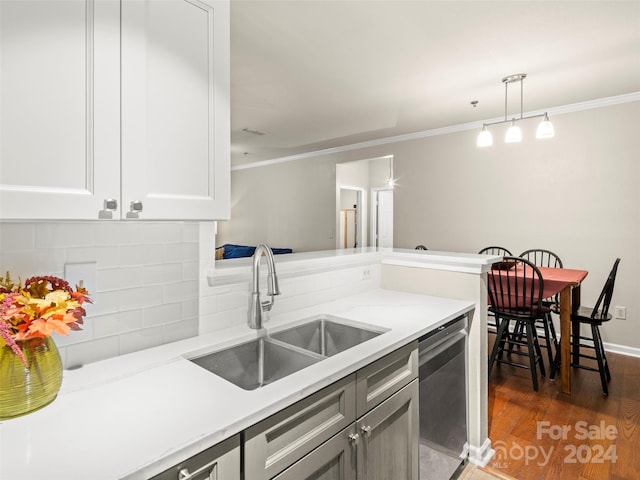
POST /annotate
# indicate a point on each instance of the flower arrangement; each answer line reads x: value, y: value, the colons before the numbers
x: 43, y: 305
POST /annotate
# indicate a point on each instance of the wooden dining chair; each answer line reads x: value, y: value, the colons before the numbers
x: 515, y: 294
x: 492, y: 324
x: 546, y: 329
x: 594, y: 317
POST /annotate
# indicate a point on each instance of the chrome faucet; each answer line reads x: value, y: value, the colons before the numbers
x: 255, y: 305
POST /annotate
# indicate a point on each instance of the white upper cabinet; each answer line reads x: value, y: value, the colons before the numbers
x: 59, y: 108
x: 114, y: 109
x: 175, y: 108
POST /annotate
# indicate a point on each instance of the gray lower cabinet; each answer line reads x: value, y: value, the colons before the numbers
x: 282, y: 439
x: 388, y: 444
x: 333, y: 460
x: 220, y: 462
x: 382, y: 445
x: 363, y: 427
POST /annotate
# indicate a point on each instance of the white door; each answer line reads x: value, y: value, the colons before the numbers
x: 384, y: 218
x: 59, y: 108
x: 175, y: 108
x: 348, y: 236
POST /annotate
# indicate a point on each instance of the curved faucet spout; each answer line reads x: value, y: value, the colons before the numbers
x: 255, y: 305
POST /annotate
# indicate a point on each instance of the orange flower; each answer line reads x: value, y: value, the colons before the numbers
x: 43, y: 306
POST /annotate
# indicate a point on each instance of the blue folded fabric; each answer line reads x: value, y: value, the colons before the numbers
x: 239, y: 251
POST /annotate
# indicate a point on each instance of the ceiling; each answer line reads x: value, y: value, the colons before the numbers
x: 312, y: 75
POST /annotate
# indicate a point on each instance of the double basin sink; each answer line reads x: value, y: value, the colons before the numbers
x: 264, y: 360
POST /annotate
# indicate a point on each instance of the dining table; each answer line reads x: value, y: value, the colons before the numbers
x: 565, y: 282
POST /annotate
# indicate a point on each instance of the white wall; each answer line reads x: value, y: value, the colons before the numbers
x: 576, y: 194
x: 146, y: 274
x: 293, y: 204
x: 289, y: 205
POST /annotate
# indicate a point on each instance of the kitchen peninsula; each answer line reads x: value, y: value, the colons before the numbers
x: 136, y: 415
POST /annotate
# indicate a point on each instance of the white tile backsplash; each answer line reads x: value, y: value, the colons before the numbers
x: 18, y: 236
x: 161, y: 273
x: 151, y: 282
x: 64, y: 234
x: 105, y: 256
x: 87, y: 352
x: 162, y: 314
x: 117, y: 323
x: 147, y: 279
x: 119, y: 278
x: 141, y: 339
x: 181, y: 330
x: 175, y: 292
x: 140, y: 297
x: 140, y: 255
x: 225, y: 306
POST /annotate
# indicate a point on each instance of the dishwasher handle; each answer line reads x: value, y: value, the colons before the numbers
x: 429, y: 352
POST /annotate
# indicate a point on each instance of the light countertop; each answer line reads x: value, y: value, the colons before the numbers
x: 136, y: 415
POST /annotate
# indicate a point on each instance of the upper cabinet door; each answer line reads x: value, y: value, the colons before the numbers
x: 175, y: 109
x: 59, y: 108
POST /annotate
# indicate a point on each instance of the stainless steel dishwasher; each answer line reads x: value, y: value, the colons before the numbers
x: 443, y: 401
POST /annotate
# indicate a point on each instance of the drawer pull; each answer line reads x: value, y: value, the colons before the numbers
x: 366, y: 431
x: 354, y: 438
x: 184, y: 473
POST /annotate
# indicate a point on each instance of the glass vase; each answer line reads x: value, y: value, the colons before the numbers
x: 25, y: 389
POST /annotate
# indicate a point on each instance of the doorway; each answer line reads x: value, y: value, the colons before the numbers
x: 357, y: 184
x: 350, y: 231
x: 382, y: 218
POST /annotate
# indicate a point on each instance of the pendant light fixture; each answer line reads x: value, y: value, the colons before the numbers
x: 389, y: 181
x: 545, y: 129
x: 485, y: 139
x: 514, y: 133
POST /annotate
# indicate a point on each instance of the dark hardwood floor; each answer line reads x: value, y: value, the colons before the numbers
x: 551, y: 435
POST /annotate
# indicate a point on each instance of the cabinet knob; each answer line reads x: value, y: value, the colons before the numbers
x: 366, y: 430
x: 109, y: 206
x: 353, y: 438
x: 135, y: 209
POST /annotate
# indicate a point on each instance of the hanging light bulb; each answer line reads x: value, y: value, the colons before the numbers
x: 485, y: 139
x: 389, y: 182
x: 514, y: 134
x: 545, y: 129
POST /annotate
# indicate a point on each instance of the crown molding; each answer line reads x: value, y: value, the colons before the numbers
x: 573, y: 107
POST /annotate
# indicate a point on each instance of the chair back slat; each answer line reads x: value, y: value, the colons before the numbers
x: 601, y: 309
x: 542, y: 258
x: 515, y: 292
x: 495, y: 251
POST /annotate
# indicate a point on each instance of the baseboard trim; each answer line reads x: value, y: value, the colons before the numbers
x: 481, y: 456
x: 622, y: 349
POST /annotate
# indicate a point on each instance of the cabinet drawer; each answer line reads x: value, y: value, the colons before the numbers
x: 384, y: 377
x: 333, y: 460
x: 220, y: 462
x: 277, y: 442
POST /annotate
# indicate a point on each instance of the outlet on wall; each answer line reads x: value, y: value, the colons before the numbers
x: 620, y: 313
x: 365, y: 273
x: 82, y: 274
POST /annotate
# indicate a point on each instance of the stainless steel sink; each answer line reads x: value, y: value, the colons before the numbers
x: 256, y: 363
x: 326, y: 336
